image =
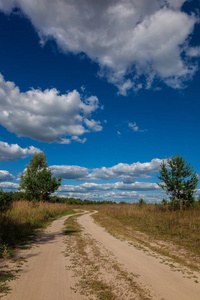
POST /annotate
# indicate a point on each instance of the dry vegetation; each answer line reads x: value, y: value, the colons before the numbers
x: 99, y: 275
x: 172, y: 233
x: 20, y: 222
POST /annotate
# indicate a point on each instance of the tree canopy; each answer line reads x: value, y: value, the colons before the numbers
x: 178, y: 179
x: 37, y: 181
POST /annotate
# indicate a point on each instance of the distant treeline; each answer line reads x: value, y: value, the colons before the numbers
x: 55, y: 199
x: 6, y: 198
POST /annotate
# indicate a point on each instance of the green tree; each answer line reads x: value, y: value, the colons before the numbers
x: 37, y: 181
x: 178, y: 179
x: 141, y: 202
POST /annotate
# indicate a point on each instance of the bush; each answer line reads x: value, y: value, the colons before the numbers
x: 6, y: 198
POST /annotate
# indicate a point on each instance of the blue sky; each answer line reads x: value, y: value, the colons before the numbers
x: 106, y: 89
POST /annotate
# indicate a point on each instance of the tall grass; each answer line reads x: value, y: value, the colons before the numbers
x: 19, y: 222
x: 182, y: 227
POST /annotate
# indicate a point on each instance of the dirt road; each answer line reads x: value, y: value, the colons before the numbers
x: 44, y: 274
x: 163, y: 281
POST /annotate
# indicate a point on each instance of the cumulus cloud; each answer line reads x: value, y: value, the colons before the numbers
x: 128, y: 39
x: 70, y: 172
x: 94, y: 187
x: 127, y: 172
x: 137, y: 186
x: 5, y: 175
x: 132, y: 197
x: 46, y: 116
x: 9, y: 185
x: 118, y: 196
x: 15, y: 152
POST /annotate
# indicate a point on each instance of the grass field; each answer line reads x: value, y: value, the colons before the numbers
x: 142, y: 223
x: 149, y: 224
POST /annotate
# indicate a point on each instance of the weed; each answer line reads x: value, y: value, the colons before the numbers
x: 5, y: 276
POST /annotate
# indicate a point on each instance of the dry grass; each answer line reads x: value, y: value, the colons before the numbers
x: 98, y: 273
x: 20, y: 222
x: 152, y: 223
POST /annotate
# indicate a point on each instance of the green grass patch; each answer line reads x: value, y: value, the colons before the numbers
x: 5, y: 276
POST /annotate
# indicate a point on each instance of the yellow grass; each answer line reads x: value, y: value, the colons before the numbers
x: 20, y: 222
x: 181, y: 227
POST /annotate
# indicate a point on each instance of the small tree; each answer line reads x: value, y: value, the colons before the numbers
x: 179, y: 179
x: 37, y: 181
x: 141, y: 202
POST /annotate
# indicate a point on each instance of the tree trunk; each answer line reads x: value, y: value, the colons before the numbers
x: 180, y: 202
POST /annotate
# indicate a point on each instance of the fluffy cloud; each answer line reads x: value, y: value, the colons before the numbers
x: 70, y: 172
x: 5, y: 175
x: 118, y: 196
x: 46, y: 115
x: 14, y: 151
x: 127, y: 172
x: 128, y: 39
x: 137, y: 186
x: 94, y: 187
x: 9, y: 185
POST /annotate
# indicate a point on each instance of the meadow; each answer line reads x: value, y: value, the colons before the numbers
x: 171, y: 233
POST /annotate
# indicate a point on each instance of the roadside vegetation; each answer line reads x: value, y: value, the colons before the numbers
x: 169, y: 232
x: 90, y: 261
x: 20, y: 221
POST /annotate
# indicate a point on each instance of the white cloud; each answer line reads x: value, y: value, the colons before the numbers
x: 127, y: 172
x: 70, y: 172
x: 5, y: 175
x: 15, y: 152
x: 197, y: 192
x: 86, y: 187
x: 9, y: 185
x: 193, y: 52
x: 136, y: 186
x: 118, y: 196
x: 126, y: 38
x: 135, y: 128
x: 46, y: 115
x: 94, y: 187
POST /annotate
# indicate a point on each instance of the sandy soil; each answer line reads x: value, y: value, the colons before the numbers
x: 46, y: 273
x: 163, y: 281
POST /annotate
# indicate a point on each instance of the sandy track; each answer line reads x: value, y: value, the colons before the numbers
x: 162, y: 281
x: 44, y: 275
